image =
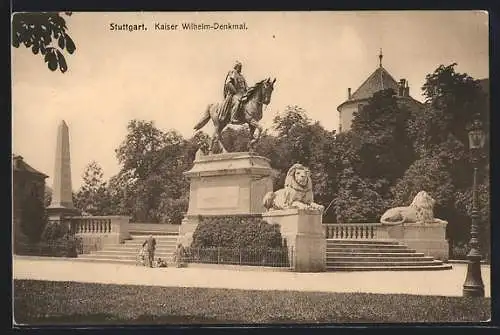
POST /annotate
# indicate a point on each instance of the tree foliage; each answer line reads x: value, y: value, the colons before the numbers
x: 151, y: 186
x: 33, y: 219
x: 357, y: 201
x: 45, y: 34
x: 93, y: 197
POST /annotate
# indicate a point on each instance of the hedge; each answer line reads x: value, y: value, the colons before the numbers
x: 238, y: 240
x: 66, y: 247
x: 236, y: 232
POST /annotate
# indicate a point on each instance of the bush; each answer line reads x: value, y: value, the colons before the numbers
x: 236, y: 232
x: 55, y: 231
x: 56, y: 241
x: 64, y: 247
x: 238, y: 240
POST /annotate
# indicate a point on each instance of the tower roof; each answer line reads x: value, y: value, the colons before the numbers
x: 379, y: 80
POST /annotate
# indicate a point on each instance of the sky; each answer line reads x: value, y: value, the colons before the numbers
x: 169, y: 77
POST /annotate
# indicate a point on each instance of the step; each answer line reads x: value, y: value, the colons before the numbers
x: 138, y: 245
x: 361, y: 241
x: 120, y: 257
x: 159, y: 241
x: 134, y: 253
x: 156, y: 237
x: 337, y: 259
x: 366, y: 245
x: 136, y: 249
x: 384, y: 263
x: 374, y: 254
x: 155, y: 233
x: 390, y: 268
x: 370, y: 250
x: 107, y: 260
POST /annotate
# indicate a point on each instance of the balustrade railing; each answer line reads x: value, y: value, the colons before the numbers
x: 351, y: 230
x: 91, y: 225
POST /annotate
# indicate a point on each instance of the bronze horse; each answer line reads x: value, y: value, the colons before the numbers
x: 250, y: 113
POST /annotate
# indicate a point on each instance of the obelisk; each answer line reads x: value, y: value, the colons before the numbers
x: 62, y: 195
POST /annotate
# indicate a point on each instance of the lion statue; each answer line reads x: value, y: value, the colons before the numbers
x: 420, y: 210
x: 297, y: 192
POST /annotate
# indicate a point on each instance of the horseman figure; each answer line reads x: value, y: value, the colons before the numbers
x: 235, y: 87
x: 241, y: 105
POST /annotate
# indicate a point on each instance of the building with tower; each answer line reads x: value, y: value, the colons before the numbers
x: 379, y: 80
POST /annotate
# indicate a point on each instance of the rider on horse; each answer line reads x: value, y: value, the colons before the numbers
x: 235, y: 88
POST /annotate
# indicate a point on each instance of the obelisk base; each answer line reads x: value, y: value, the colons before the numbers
x: 60, y: 214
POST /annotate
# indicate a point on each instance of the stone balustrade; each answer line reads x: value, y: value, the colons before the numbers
x: 96, y: 231
x: 353, y: 230
x: 117, y: 226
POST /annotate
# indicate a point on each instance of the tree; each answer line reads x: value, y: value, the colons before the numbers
x: 357, y: 201
x: 383, y: 150
x: 151, y: 181
x: 427, y: 174
x: 33, y: 218
x: 136, y: 152
x: 440, y: 134
x: 92, y: 197
x: 46, y: 34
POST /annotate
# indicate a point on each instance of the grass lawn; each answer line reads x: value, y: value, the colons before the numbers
x: 44, y: 302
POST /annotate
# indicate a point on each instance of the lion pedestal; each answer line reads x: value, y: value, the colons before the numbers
x: 416, y: 226
x: 300, y: 219
x: 225, y: 184
x: 423, y: 237
x: 304, y: 233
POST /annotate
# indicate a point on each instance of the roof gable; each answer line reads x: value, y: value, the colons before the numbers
x: 18, y: 164
x: 377, y: 81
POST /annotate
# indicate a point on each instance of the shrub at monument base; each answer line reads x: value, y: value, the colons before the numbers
x: 238, y: 240
x: 56, y: 241
x: 85, y: 303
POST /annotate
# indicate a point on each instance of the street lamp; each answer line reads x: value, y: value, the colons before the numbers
x: 473, y: 286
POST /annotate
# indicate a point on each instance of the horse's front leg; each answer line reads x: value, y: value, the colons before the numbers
x: 219, y: 137
x: 255, y: 132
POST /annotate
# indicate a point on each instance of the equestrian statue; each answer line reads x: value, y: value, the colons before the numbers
x: 241, y: 105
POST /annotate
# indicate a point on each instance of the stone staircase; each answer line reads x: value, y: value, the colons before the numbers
x: 126, y: 253
x: 377, y: 255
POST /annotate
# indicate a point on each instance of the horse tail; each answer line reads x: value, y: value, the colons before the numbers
x: 204, y: 120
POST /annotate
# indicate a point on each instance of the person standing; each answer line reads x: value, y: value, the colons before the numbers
x: 150, y: 244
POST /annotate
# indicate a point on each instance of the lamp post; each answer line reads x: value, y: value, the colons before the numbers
x: 473, y: 286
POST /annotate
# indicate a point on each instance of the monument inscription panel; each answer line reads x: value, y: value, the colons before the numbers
x: 218, y: 197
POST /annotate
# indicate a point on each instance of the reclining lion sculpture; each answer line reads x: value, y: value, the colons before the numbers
x: 297, y: 192
x: 421, y: 210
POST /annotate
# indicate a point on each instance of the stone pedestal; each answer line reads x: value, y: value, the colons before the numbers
x: 59, y: 213
x: 226, y: 184
x: 428, y: 238
x: 305, y: 237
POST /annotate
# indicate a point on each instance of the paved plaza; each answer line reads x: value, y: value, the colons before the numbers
x: 439, y: 283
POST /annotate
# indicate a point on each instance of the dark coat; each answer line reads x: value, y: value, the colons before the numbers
x: 150, y: 244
